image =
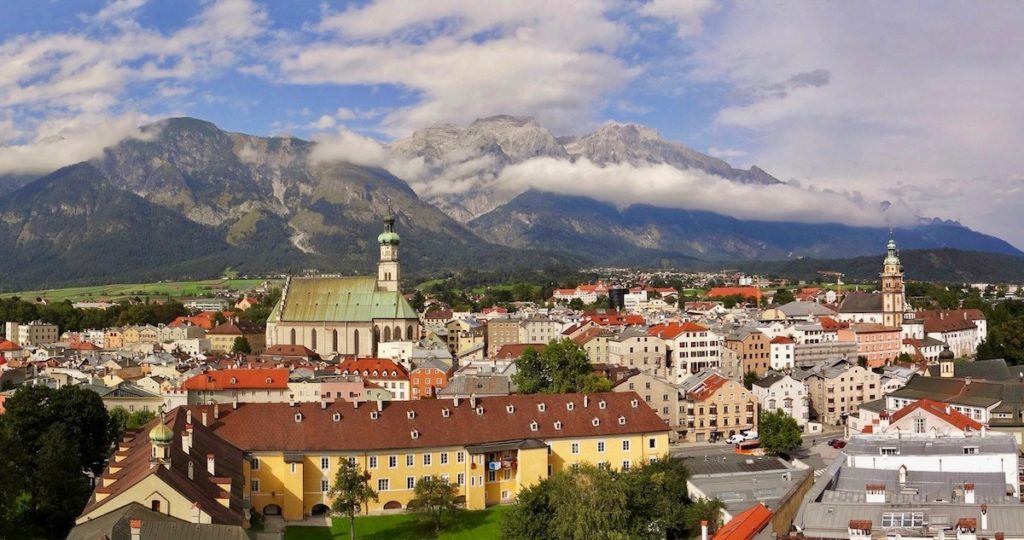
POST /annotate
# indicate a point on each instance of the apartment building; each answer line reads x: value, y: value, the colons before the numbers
x: 837, y: 389
x: 692, y: 347
x: 716, y: 408
x: 752, y: 346
x: 635, y: 348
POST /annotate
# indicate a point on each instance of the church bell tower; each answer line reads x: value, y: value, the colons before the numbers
x: 387, y: 268
x: 892, y: 287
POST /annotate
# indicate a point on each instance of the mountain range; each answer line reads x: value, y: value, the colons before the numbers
x: 187, y: 199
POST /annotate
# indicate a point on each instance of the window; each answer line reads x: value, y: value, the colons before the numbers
x: 410, y: 482
x: 426, y: 458
x: 373, y: 462
x: 254, y: 486
x: 293, y: 468
x: 971, y: 450
x: 919, y: 425
x: 325, y: 463
x: 507, y: 474
x: 325, y: 486
x: 255, y: 463
x: 900, y: 520
x: 444, y: 458
x: 625, y: 446
x: 600, y: 446
x: 460, y: 457
x: 652, y: 442
x: 392, y: 462
x: 888, y: 451
x: 460, y: 479
x: 492, y: 476
x: 575, y: 448
x: 383, y: 484
x: 410, y: 460
x: 625, y: 465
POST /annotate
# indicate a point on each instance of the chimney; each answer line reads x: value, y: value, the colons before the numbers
x: 210, y: 461
x: 472, y: 401
x: 455, y: 401
x: 969, y: 493
x: 703, y: 529
x: 186, y: 438
x: 586, y: 401
x: 216, y: 411
x: 234, y: 404
x: 984, y: 516
x: 135, y: 526
x: 204, y: 418
x: 355, y: 404
x: 984, y: 429
x: 875, y: 493
x: 188, y: 416
x: 323, y: 405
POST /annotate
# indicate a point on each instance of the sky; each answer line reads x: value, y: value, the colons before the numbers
x: 916, y: 103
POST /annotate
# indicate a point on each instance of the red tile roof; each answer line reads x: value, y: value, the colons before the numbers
x: 85, y: 346
x: 746, y: 524
x: 375, y: 368
x: 708, y: 387
x: 942, y: 411
x: 783, y: 339
x: 239, y: 328
x: 749, y: 292
x: 7, y: 345
x: 828, y: 323
x: 947, y: 325
x: 289, y: 350
x: 249, y: 379
x: 671, y: 330
x: 272, y: 426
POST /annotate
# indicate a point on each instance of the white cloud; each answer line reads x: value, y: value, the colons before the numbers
x: 466, y: 59
x: 64, y: 141
x: 686, y: 15
x: 921, y: 104
x: 114, y: 11
x: 726, y: 153
x: 665, y: 186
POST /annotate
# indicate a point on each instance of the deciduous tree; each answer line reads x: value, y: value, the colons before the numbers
x: 434, y: 497
x: 779, y: 433
x: 351, y: 490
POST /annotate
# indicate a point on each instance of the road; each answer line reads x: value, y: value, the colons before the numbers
x: 813, y: 444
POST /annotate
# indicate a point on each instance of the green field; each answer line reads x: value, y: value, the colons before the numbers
x: 468, y: 525
x: 168, y: 289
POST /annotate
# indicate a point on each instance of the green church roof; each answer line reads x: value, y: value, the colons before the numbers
x: 340, y: 299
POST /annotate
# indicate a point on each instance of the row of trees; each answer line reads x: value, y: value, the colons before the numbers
x: 590, y: 502
x: 71, y: 319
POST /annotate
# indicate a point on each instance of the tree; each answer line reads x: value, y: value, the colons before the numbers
x: 351, y: 490
x: 576, y: 304
x: 783, y: 296
x: 219, y: 318
x: 434, y: 497
x: 60, y: 488
x: 1011, y: 337
x: 241, y: 346
x: 563, y: 367
x: 779, y: 432
x: 702, y: 509
x: 656, y: 499
x: 749, y: 378
x: 532, y: 514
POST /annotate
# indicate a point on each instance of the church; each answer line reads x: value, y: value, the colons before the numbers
x: 346, y: 315
x: 887, y: 307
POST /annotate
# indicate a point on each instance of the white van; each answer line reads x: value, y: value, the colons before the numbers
x: 736, y: 439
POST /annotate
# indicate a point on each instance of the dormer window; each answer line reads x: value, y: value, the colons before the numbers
x: 411, y: 414
x: 374, y: 415
x: 542, y: 407
x: 337, y: 417
x: 375, y: 373
x: 234, y: 380
x: 570, y: 406
x: 446, y: 412
x: 534, y: 426
x: 602, y: 404
x: 596, y: 422
x: 298, y: 417
x: 394, y: 373
x: 270, y: 380
x: 480, y: 411
x: 622, y: 420
x: 634, y: 403
x: 415, y: 434
x: 510, y: 408
x: 558, y: 425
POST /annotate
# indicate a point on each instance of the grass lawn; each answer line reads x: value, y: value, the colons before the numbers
x: 467, y: 525
x: 173, y: 289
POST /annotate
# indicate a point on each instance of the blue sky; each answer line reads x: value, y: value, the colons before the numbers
x: 911, y: 102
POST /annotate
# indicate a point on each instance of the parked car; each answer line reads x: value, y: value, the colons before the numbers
x: 837, y: 443
x: 833, y: 442
x: 750, y: 435
x: 840, y: 444
x: 736, y: 439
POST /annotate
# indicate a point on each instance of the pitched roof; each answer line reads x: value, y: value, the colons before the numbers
x: 376, y: 368
x: 236, y: 328
x: 85, y: 346
x: 746, y: 524
x: 7, y: 345
x: 289, y: 350
x: 947, y: 325
x: 340, y: 299
x: 706, y: 387
x: 861, y: 302
x: 782, y: 339
x: 749, y: 292
x: 272, y: 426
x: 515, y: 350
x: 249, y: 379
x: 805, y: 309
x: 671, y: 330
x: 944, y: 412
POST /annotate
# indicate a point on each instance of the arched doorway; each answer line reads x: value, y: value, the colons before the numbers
x: 271, y: 510
x: 392, y: 505
x: 319, y: 510
x: 408, y: 333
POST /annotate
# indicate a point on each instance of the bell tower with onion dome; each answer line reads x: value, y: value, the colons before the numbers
x: 893, y: 299
x: 388, y: 272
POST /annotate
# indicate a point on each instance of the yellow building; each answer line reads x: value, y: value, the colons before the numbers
x: 222, y: 338
x: 489, y: 447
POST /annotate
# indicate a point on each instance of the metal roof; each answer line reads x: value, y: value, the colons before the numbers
x: 341, y: 299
